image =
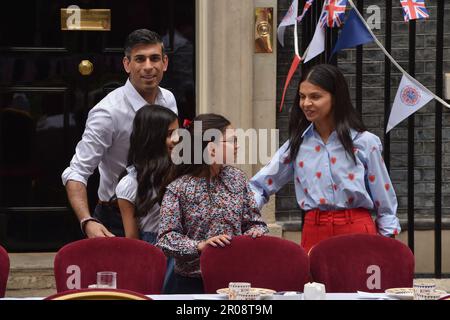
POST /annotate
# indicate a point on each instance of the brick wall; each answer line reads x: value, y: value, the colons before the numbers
x: 373, y: 106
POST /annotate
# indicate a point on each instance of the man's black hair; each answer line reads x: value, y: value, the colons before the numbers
x: 142, y: 36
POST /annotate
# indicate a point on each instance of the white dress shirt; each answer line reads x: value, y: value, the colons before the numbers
x: 106, y: 138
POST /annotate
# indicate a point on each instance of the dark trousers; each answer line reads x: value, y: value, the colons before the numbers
x: 185, y: 285
x: 150, y: 237
x: 110, y: 217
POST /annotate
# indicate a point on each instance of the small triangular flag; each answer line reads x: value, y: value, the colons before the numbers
x: 354, y: 33
x: 410, y: 97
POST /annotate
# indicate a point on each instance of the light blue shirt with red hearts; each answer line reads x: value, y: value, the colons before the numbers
x: 326, y: 177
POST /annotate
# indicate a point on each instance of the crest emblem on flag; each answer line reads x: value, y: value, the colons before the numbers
x: 410, y: 96
x: 414, y: 9
x: 333, y: 13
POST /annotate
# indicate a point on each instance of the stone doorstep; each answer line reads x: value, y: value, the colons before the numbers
x: 28, y: 293
x: 31, y: 279
x: 31, y: 275
x: 31, y: 261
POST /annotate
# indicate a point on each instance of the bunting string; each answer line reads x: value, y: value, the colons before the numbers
x: 395, y: 63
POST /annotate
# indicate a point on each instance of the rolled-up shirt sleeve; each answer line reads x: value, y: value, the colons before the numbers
x: 273, y: 176
x: 170, y: 236
x: 96, y: 139
x: 382, y: 192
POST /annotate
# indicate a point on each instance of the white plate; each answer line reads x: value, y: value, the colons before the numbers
x: 406, y: 293
x: 288, y: 295
x: 211, y: 297
x: 373, y: 296
x: 265, y: 293
x: 400, y: 293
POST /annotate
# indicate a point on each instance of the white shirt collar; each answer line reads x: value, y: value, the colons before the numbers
x: 136, y: 100
x: 353, y: 132
x: 308, y: 129
x: 131, y: 169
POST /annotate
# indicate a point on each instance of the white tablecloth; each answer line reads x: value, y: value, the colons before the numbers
x: 329, y: 296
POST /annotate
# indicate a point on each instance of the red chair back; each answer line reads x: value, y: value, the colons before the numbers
x: 371, y: 263
x: 266, y: 262
x: 4, y: 271
x: 140, y: 266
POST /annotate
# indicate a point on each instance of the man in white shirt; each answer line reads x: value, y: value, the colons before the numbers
x: 105, y: 141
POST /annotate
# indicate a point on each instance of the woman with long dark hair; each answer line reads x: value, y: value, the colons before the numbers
x: 336, y: 165
x: 208, y: 202
x: 138, y: 193
x: 151, y: 143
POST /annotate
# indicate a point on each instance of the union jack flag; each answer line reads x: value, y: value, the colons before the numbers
x: 414, y: 9
x: 306, y: 7
x: 333, y: 13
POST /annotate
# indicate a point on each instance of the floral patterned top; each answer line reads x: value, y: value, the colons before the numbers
x: 196, y: 209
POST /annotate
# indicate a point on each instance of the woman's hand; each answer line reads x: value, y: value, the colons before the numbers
x: 220, y: 240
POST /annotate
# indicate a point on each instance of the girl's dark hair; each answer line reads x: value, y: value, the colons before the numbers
x: 208, y: 121
x: 148, y: 153
x: 330, y: 79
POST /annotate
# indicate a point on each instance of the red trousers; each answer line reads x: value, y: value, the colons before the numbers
x: 320, y: 225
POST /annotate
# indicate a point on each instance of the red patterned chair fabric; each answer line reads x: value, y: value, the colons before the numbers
x: 371, y: 263
x: 4, y: 271
x: 266, y: 262
x: 140, y: 266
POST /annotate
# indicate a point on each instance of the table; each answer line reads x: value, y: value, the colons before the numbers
x: 329, y: 296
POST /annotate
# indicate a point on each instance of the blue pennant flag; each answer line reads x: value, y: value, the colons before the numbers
x: 354, y: 33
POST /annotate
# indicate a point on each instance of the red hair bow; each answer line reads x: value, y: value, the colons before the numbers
x: 186, y: 123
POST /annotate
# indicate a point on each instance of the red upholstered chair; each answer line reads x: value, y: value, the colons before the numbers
x: 265, y: 262
x: 4, y: 271
x: 98, y: 294
x: 355, y: 262
x: 140, y: 266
